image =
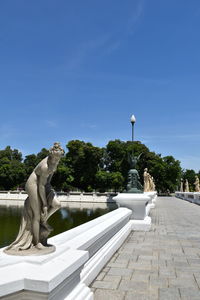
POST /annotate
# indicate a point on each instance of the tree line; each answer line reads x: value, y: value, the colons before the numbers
x: 89, y: 168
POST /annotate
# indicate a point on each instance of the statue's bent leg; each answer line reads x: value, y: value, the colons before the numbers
x: 36, y: 209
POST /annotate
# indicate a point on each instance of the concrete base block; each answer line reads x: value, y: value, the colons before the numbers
x: 99, y: 260
x: 136, y: 202
x: 52, y: 276
x: 141, y: 225
x: 81, y: 292
x: 148, y: 208
x: 152, y: 205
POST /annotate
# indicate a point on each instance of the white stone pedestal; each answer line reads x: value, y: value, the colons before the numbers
x: 153, y: 196
x: 138, y: 204
x: 53, y: 276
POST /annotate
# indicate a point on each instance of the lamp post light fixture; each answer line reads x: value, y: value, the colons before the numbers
x: 133, y: 186
x: 133, y: 120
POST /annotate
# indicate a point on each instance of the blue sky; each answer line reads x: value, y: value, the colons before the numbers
x: 80, y: 69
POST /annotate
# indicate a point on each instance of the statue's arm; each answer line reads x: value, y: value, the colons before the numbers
x: 139, y: 155
x: 49, y: 179
x: 41, y: 189
x: 48, y: 186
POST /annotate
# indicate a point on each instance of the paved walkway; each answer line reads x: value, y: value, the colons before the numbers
x: 163, y: 263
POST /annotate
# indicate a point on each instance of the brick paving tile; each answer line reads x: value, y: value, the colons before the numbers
x: 140, y: 296
x: 189, y: 294
x: 101, y: 276
x: 179, y: 282
x: 118, y: 264
x: 163, y: 263
x: 128, y: 285
x: 112, y: 285
x: 169, y: 294
x: 112, y: 278
x: 108, y: 295
x: 120, y: 271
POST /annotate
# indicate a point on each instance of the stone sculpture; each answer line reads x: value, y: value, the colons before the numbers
x: 134, y: 185
x: 146, y: 180
x: 149, y: 184
x: 181, y: 188
x: 186, y: 186
x: 196, y: 183
x: 40, y: 204
x: 153, y: 184
x: 133, y: 160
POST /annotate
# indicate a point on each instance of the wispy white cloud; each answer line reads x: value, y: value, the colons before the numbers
x: 190, y: 162
x: 96, y: 141
x: 129, y: 27
x: 168, y: 138
x: 6, y: 131
x: 51, y: 124
x: 85, y: 49
x: 113, y: 46
x: 106, y: 43
x: 88, y: 125
x: 136, y: 17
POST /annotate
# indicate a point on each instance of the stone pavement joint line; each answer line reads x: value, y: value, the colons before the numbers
x: 163, y: 263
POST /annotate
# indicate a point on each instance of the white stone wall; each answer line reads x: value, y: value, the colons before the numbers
x: 192, y: 197
x: 7, y: 198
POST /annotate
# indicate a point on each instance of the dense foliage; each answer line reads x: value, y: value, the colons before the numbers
x: 87, y: 168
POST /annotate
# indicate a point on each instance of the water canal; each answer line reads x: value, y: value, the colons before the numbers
x: 70, y: 216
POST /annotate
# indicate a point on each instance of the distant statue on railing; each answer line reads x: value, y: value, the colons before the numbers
x: 196, y: 183
x: 149, y: 184
x: 40, y: 204
x: 186, y: 186
x: 181, y: 187
x: 133, y: 185
x: 153, y: 186
x: 146, y: 176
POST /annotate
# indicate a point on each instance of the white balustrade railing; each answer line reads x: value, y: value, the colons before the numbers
x: 193, y: 197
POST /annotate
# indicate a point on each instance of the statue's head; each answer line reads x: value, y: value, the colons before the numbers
x: 56, y: 151
x: 145, y: 169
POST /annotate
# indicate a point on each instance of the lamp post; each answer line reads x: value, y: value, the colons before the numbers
x: 133, y: 120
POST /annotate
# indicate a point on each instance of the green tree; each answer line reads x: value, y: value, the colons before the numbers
x: 62, y: 178
x: 189, y: 174
x: 116, y: 181
x: 102, y: 180
x: 30, y: 163
x: 106, y: 181
x: 84, y: 159
x: 172, y: 173
x: 118, y: 154
x: 11, y: 154
x: 12, y: 170
x: 42, y: 154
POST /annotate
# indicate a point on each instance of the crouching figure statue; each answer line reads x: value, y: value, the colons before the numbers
x: 40, y: 204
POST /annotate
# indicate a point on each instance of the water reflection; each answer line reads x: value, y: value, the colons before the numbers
x: 69, y: 216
